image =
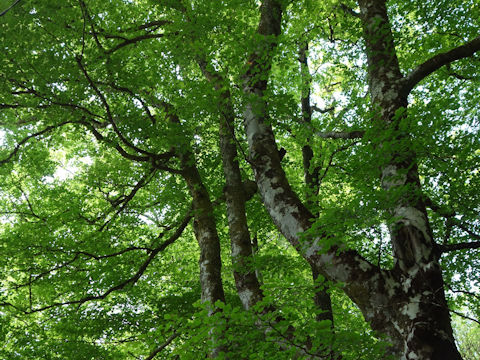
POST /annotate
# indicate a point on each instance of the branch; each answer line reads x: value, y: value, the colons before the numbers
x: 163, y: 346
x: 9, y: 8
x: 86, y: 16
x: 459, y: 246
x: 450, y: 215
x: 464, y: 316
x: 322, y: 111
x: 23, y: 141
x: 348, y: 10
x: 121, y: 150
x: 145, y: 180
x: 330, y: 161
x: 110, y: 118
x: 456, y: 75
x: 134, y: 41
x: 436, y: 62
x: 356, y: 134
x: 132, y: 280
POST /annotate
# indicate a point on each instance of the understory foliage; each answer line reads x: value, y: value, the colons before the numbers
x: 106, y: 108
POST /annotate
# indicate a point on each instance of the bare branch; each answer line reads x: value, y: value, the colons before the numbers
x: 464, y: 316
x: 323, y: 111
x: 436, y: 62
x: 9, y: 8
x: 459, y: 246
x: 134, y: 41
x: 356, y: 134
x: 132, y: 280
x: 34, y: 135
x: 163, y: 346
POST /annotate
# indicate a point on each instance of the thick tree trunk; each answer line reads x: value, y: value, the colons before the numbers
x: 205, y: 230
x: 423, y: 321
x: 406, y: 303
x: 206, y: 233
x: 248, y: 287
x: 236, y: 195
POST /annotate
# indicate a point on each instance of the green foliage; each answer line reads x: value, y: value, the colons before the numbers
x: 79, y: 219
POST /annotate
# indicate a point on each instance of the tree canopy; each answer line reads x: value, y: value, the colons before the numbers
x: 239, y: 179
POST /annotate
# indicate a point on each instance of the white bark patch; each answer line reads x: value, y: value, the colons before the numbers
x: 363, y: 265
x: 246, y: 298
x: 391, y: 178
x: 406, y: 284
x: 311, y: 249
x: 414, y: 217
x: 391, y: 285
x: 251, y: 124
x: 281, y: 212
x: 236, y: 250
x: 377, y: 90
x: 340, y: 272
x: 204, y: 281
x: 412, y: 308
x: 390, y: 95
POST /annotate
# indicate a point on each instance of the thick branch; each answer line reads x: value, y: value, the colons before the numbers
x: 437, y: 61
x: 460, y: 246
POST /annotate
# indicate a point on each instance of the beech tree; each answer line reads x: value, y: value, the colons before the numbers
x: 238, y: 179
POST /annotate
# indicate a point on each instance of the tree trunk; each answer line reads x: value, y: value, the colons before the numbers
x: 423, y: 322
x: 406, y: 303
x: 321, y: 298
x: 248, y: 287
x: 236, y: 195
x: 205, y: 230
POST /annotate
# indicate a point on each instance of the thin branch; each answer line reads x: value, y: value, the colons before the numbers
x: 450, y: 215
x: 9, y: 8
x: 77, y: 256
x: 145, y: 180
x: 121, y: 150
x: 132, y: 280
x: 356, y: 134
x: 465, y: 316
x: 134, y: 41
x: 163, y: 346
x: 332, y: 155
x: 348, y: 10
x: 34, y: 135
x: 86, y: 16
x: 322, y: 111
x: 436, y: 62
x: 468, y: 293
x: 456, y: 75
x: 110, y: 118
